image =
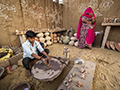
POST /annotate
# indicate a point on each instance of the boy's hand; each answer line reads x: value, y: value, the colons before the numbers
x: 49, y: 59
x: 44, y: 61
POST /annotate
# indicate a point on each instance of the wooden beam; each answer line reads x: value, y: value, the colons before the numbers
x: 110, y: 24
x: 107, y: 30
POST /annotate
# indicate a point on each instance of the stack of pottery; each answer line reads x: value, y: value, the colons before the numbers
x: 76, y: 42
x: 48, y: 38
x: 58, y: 37
x: 111, y: 20
x: 54, y: 38
x: 41, y: 37
x: 61, y: 39
x: 71, y: 43
x: 70, y: 32
x: 73, y: 40
x: 113, y: 45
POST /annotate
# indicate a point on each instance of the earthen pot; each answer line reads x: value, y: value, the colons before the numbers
x: 117, y: 46
x: 112, y: 45
x: 54, y: 35
x: 108, y: 44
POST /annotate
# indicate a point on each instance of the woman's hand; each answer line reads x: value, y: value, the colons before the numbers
x: 93, y: 20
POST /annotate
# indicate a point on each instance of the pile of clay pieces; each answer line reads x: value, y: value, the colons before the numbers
x: 82, y: 75
x: 113, y: 45
x: 111, y: 20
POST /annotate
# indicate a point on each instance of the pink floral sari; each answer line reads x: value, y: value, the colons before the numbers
x: 89, y: 35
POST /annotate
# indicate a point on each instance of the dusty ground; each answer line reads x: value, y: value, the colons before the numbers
x: 106, y: 77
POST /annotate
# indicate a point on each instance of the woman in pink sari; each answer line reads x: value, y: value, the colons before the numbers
x: 86, y: 26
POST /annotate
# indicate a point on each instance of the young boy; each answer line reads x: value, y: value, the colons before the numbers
x: 33, y: 50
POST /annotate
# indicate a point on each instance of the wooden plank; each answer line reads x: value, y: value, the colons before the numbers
x: 21, y: 39
x: 87, y: 82
x: 107, y: 30
x: 110, y: 24
x: 24, y: 38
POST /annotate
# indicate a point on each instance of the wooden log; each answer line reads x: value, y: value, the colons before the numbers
x: 107, y: 30
x: 21, y: 39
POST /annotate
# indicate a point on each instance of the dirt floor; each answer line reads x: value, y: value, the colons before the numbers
x: 106, y: 77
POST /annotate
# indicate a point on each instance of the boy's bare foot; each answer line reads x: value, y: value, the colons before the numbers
x: 28, y: 73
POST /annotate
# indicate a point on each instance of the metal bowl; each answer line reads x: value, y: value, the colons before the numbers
x: 78, y: 61
x: 1, y: 71
x: 21, y: 86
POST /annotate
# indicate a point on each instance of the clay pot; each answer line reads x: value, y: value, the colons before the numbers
x: 60, y: 41
x: 58, y: 38
x: 54, y: 38
x: 69, y: 79
x: 58, y: 34
x: 55, y: 41
x: 40, y: 35
x: 71, y: 43
x: 108, y: 44
x: 110, y: 20
x: 54, y: 35
x: 76, y: 43
x: 117, y: 46
x: 69, y: 88
x: 47, y: 33
x: 112, y: 45
x: 66, y: 83
x: 42, y: 40
x: 104, y: 20
x: 73, y: 38
x: 75, y: 34
x: 48, y: 42
x: 48, y: 38
x: 73, y: 74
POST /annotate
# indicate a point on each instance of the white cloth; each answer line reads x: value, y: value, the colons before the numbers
x: 28, y: 49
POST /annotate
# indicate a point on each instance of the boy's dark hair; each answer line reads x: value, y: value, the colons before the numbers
x: 30, y: 34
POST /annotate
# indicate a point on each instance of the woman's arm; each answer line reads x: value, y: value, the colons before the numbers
x: 85, y: 20
x: 88, y: 22
x: 93, y: 20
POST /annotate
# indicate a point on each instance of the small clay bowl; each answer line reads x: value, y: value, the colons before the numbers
x: 112, y: 45
x: 108, y: 44
x: 117, y: 46
x: 21, y: 86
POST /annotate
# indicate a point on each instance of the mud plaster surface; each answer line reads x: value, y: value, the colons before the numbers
x: 106, y: 76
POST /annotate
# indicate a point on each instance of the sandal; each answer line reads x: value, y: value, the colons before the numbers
x: 9, y: 70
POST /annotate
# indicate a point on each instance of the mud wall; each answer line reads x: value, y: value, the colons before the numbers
x: 73, y: 9
x: 20, y: 14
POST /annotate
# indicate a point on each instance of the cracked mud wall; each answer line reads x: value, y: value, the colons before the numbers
x: 73, y: 9
x: 19, y: 15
